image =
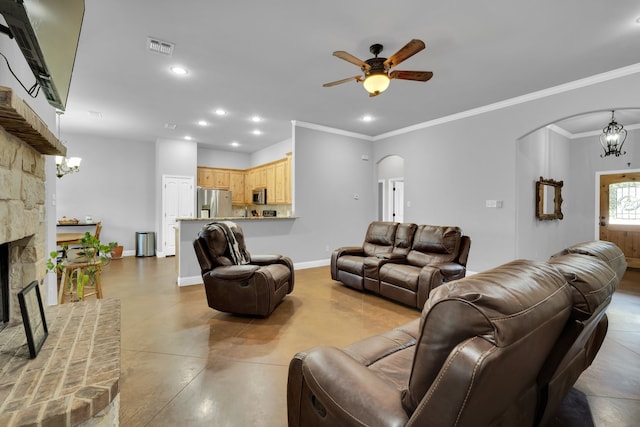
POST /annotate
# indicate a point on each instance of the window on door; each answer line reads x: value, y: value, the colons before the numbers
x: 624, y: 203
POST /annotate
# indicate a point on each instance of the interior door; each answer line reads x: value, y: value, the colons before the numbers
x: 620, y: 213
x: 178, y: 201
x: 397, y: 197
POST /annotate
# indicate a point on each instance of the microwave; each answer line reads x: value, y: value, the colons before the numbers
x: 260, y: 196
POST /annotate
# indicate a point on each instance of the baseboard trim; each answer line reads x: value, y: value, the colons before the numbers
x: 189, y: 281
x: 311, y: 264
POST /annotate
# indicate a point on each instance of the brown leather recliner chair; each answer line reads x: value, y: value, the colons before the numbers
x: 472, y: 358
x: 236, y: 281
x: 593, y: 269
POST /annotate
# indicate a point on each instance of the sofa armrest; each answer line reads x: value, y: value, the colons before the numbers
x: 341, y: 391
x: 450, y: 270
x: 266, y: 259
x: 430, y: 278
x: 233, y: 272
x: 350, y: 250
x: 345, y: 250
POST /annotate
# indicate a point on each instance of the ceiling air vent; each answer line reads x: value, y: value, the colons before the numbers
x: 160, y: 46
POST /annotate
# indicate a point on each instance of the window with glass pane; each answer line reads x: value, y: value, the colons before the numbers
x: 624, y: 203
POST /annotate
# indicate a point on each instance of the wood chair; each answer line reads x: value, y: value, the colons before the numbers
x: 69, y: 287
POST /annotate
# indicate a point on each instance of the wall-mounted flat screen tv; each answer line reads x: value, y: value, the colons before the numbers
x: 47, y: 32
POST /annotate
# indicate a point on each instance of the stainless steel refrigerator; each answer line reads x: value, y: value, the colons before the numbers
x: 213, y: 203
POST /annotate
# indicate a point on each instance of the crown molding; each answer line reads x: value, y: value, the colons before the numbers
x: 577, y: 84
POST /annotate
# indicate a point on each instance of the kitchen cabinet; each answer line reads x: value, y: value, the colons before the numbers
x: 260, y: 178
x: 213, y: 178
x: 236, y: 185
x: 280, y: 182
x: 274, y: 176
x: 221, y: 178
x: 270, y: 173
x: 205, y: 177
x: 249, y: 180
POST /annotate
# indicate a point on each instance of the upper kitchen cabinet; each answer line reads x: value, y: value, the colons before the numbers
x: 274, y: 176
x: 236, y: 184
x: 213, y: 178
x: 205, y: 177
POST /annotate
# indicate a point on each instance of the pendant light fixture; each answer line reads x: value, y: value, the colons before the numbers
x: 65, y: 165
x: 612, y: 138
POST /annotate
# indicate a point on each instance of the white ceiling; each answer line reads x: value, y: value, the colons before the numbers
x: 271, y: 58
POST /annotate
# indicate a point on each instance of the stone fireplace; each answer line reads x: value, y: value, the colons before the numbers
x: 22, y: 214
x: 24, y: 141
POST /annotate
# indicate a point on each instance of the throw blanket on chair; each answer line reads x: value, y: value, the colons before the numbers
x: 238, y: 255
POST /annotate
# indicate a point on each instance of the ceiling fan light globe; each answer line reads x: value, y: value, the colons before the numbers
x: 376, y: 83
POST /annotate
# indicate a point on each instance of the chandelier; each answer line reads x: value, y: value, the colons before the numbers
x: 612, y: 139
x: 65, y: 166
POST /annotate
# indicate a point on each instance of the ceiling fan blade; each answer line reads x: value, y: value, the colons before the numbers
x: 337, y: 82
x: 410, y: 49
x: 421, y: 76
x: 350, y: 58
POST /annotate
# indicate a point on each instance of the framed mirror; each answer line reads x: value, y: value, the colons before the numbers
x: 548, y: 199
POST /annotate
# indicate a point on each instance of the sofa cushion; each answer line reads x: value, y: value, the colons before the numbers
x: 603, y: 250
x: 592, y: 282
x: 379, y: 238
x: 433, y: 243
x: 404, y: 238
x: 352, y: 264
x: 521, y: 303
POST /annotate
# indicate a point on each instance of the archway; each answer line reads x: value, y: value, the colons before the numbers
x: 568, y: 150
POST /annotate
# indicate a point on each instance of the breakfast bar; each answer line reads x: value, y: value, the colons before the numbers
x: 260, y: 234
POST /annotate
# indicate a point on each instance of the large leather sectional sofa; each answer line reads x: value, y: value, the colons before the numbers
x: 499, y: 348
x: 403, y: 261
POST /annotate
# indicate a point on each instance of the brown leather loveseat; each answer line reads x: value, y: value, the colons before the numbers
x: 403, y: 261
x: 498, y: 348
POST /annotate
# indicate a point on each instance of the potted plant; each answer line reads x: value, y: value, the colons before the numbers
x: 116, y: 250
x: 92, y: 253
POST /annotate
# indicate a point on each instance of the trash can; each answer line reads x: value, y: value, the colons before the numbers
x: 145, y: 243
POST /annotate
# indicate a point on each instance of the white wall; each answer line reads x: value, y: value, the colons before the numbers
x: 272, y: 153
x: 175, y: 158
x: 546, y: 154
x: 223, y: 159
x: 114, y: 185
x: 452, y: 168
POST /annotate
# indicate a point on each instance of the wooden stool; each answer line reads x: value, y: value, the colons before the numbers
x: 67, y: 270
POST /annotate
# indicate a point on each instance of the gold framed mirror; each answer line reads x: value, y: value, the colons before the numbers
x: 548, y: 199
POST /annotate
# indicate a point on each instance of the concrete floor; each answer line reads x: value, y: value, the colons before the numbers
x: 184, y: 364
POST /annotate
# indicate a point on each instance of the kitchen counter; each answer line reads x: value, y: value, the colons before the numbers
x: 263, y: 235
x: 238, y: 218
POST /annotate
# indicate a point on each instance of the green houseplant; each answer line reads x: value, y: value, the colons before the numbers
x: 92, y: 252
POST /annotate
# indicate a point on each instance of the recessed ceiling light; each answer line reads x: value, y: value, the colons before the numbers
x: 181, y: 71
x: 367, y: 118
x: 221, y: 112
x: 234, y: 144
x: 257, y: 132
x: 203, y: 123
x: 188, y: 138
x: 256, y: 119
x: 638, y: 20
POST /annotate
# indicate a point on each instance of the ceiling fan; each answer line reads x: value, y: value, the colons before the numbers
x: 377, y: 71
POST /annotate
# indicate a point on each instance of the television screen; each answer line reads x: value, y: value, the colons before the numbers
x: 47, y: 32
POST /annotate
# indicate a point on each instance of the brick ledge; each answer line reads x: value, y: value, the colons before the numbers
x: 76, y: 374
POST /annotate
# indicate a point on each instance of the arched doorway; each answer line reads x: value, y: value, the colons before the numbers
x: 391, y: 189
